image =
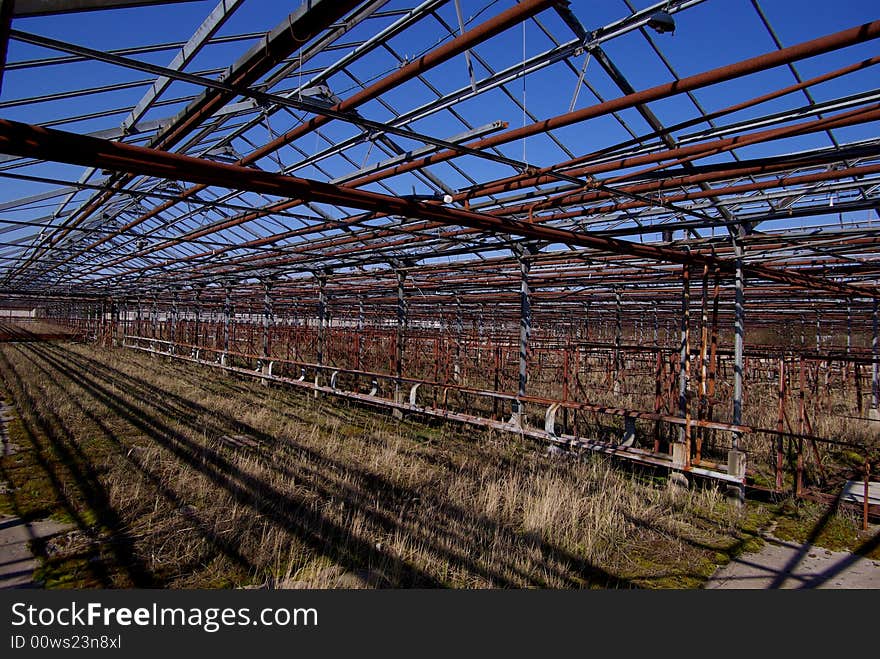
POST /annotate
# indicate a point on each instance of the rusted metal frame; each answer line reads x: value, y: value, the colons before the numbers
x: 400, y: 339
x: 140, y: 329
x: 477, y: 35
x: 213, y: 22
x: 681, y: 450
x: 714, y: 356
x: 802, y: 413
x: 534, y: 178
x: 621, y: 81
x: 659, y: 376
x: 67, y: 147
x: 227, y: 322
x: 636, y: 455
x: 753, y: 186
x: 736, y: 455
x: 875, y: 366
x: 174, y: 319
x: 618, y: 332
x: 334, y: 32
x: 297, y: 29
x: 830, y: 175
x: 197, y: 316
x: 523, y: 254
x: 686, y: 154
x: 780, y: 428
x: 322, y: 322
x: 806, y: 49
x: 466, y: 390
x: 267, y: 323
x: 703, y: 375
x: 410, y: 18
x: 639, y: 193
x: 154, y: 317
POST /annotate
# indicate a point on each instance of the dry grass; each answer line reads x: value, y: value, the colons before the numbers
x: 181, y: 477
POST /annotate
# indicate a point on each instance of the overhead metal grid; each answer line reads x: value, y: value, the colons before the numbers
x: 430, y: 165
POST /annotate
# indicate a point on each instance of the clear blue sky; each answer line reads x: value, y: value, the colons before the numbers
x: 715, y: 33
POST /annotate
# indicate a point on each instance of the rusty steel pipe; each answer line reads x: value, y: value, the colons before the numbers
x: 776, y: 58
x: 845, y: 119
x: 460, y: 44
x: 310, y: 22
x: 48, y: 144
x: 819, y: 46
x: 540, y: 176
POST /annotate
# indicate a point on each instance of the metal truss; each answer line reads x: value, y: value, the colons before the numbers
x: 537, y: 162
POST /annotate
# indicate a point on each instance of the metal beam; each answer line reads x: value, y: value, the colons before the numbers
x: 7, y: 8
x: 214, y: 21
x: 48, y: 144
x: 28, y: 8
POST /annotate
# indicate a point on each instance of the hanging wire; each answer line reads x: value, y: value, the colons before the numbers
x: 580, y: 82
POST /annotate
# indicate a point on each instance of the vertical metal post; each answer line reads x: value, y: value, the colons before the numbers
x: 736, y: 462
x: 459, y: 328
x: 818, y: 332
x: 155, y: 319
x: 359, y: 337
x: 173, y: 322
x: 618, y: 330
x: 848, y: 326
x: 227, y: 320
x: 400, y: 341
x: 197, y: 312
x: 738, y: 343
x: 875, y: 366
x: 322, y: 321
x: 656, y: 323
x: 586, y: 321
x: 114, y: 321
x: 103, y: 323
x: 525, y: 331
x: 267, y: 325
x: 684, y: 360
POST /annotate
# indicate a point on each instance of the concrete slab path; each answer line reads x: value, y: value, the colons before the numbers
x: 17, y: 562
x: 788, y: 565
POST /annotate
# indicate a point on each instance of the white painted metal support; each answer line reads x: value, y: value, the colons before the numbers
x: 550, y: 420
x: 523, y: 254
x: 736, y: 459
x: 629, y: 431
x: 214, y: 21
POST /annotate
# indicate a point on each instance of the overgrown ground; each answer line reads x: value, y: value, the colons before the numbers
x: 177, y: 476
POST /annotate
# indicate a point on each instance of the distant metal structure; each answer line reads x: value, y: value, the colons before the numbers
x: 342, y: 201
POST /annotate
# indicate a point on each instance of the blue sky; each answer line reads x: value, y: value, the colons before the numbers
x: 715, y: 33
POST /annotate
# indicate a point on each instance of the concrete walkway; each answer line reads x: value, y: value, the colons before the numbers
x: 17, y: 562
x: 782, y: 564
